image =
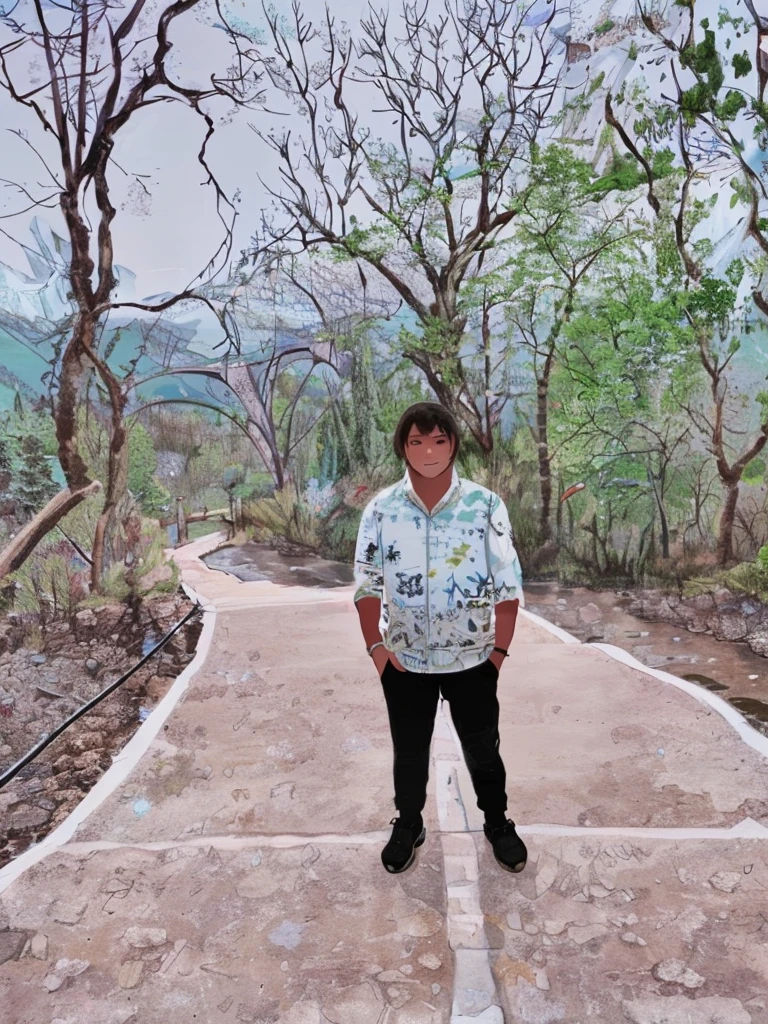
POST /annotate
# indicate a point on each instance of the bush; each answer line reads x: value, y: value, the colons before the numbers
x: 749, y: 578
x: 51, y: 583
x: 282, y: 516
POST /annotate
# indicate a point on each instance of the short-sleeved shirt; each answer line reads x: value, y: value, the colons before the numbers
x: 438, y: 574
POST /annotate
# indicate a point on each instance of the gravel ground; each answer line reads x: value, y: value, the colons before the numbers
x: 42, y: 685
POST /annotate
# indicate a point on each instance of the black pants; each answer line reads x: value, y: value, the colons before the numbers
x: 412, y: 704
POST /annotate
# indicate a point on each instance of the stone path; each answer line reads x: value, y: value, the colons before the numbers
x: 227, y: 868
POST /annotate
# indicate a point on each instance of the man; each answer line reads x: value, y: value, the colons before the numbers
x: 438, y: 575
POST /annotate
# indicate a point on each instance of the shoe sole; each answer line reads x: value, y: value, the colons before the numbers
x: 516, y: 869
x: 419, y: 841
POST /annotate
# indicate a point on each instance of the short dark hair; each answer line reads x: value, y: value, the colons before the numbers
x: 426, y: 416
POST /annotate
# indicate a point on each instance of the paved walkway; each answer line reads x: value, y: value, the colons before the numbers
x: 227, y: 867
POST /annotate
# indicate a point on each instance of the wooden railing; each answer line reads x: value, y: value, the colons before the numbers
x: 234, y: 520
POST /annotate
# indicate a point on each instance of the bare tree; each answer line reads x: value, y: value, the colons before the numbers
x: 302, y: 312
x: 98, y: 74
x: 468, y: 91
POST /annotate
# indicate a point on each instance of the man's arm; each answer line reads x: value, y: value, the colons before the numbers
x: 369, y: 577
x: 369, y: 610
x: 505, y: 572
x: 506, y: 617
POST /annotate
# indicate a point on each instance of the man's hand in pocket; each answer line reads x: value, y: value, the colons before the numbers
x: 380, y: 658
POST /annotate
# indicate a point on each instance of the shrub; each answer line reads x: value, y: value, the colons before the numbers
x: 282, y: 516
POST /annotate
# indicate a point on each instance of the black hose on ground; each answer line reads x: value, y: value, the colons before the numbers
x: 32, y: 754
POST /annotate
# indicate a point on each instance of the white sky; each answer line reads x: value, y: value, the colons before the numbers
x: 166, y: 239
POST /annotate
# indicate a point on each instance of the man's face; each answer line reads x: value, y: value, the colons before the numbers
x: 429, y: 454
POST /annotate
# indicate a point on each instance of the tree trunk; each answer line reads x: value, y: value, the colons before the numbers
x: 725, y: 531
x: 117, y: 487
x: 26, y: 540
x: 75, y: 365
x: 545, y: 474
x: 663, y: 522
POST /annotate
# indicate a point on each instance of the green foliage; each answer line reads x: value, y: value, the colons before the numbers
x: 34, y: 485
x: 713, y: 301
x: 153, y: 574
x: 233, y: 478
x: 49, y: 585
x: 701, y: 58
x: 283, y: 515
x: 604, y: 27
x: 142, y: 464
x: 741, y: 64
x: 754, y: 473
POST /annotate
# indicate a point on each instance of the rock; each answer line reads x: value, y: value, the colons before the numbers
x: 39, y: 946
x: 676, y: 972
x: 87, y: 741
x: 584, y: 933
x: 63, y: 970
x: 423, y: 923
x: 725, y: 881
x: 27, y: 816
x: 590, y: 613
x: 92, y: 666
x: 65, y: 763
x: 353, y: 1004
x: 758, y: 642
x: 143, y: 938
x: 11, y: 945
x: 729, y: 626
x: 85, y: 617
x: 632, y: 939
x: 430, y: 961
x: 554, y: 927
x: 129, y: 974
x: 38, y: 659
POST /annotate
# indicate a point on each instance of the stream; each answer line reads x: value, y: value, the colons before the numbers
x: 593, y: 616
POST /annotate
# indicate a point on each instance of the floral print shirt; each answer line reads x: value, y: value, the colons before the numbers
x: 438, y: 574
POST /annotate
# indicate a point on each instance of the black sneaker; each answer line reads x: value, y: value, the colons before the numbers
x: 508, y: 848
x: 400, y: 851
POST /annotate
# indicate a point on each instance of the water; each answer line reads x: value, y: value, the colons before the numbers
x: 252, y: 562
x: 149, y: 641
x: 729, y: 669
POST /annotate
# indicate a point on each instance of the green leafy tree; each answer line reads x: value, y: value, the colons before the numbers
x: 563, y: 241
x: 34, y: 486
x: 627, y: 365
x: 716, y: 97
x: 142, y: 465
x: 6, y: 466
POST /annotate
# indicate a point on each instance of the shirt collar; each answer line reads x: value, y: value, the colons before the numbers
x: 447, y: 498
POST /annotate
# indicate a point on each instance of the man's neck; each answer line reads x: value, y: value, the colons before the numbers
x: 431, y: 489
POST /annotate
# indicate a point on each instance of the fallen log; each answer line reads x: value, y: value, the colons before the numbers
x: 20, y: 547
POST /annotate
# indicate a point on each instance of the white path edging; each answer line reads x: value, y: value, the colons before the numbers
x: 751, y: 736
x: 475, y: 997
x: 126, y: 760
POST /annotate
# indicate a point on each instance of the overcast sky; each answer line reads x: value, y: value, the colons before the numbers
x: 166, y: 237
